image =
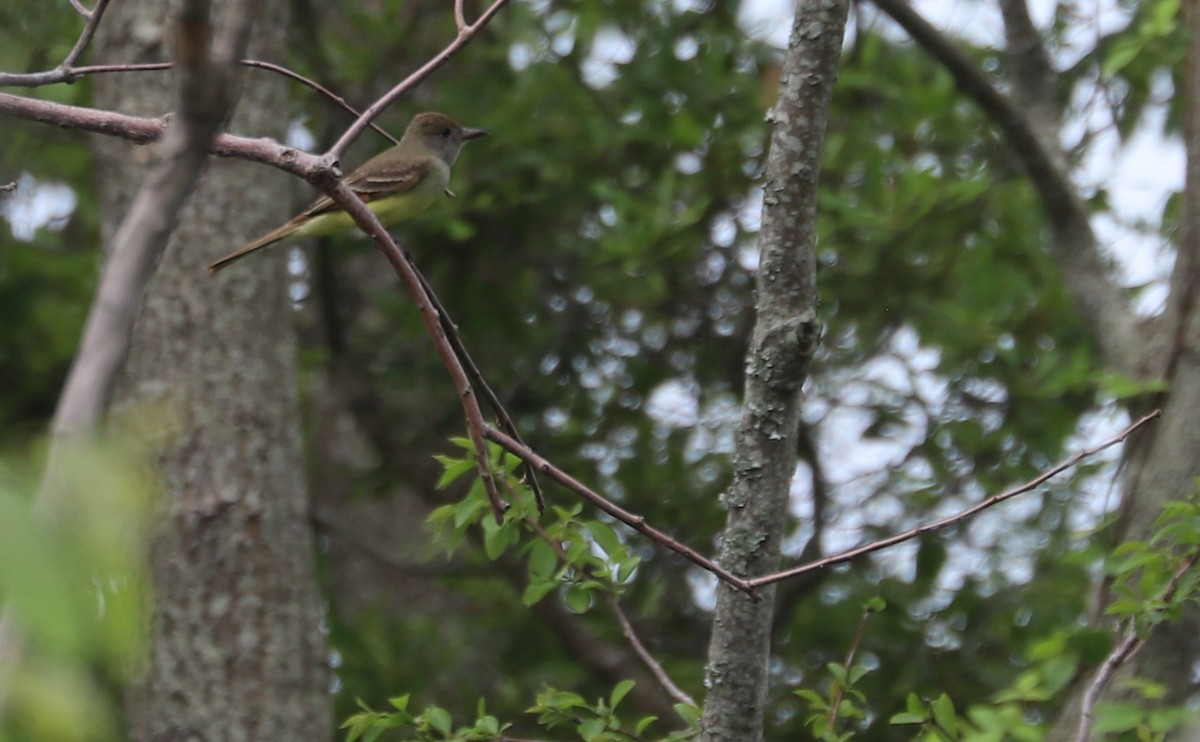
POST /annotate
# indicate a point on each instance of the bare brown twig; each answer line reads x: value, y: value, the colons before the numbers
x: 460, y: 18
x: 835, y: 702
x: 652, y: 664
x: 66, y: 70
x: 337, y: 99
x: 477, y: 379
x: 749, y: 586
x: 634, y: 521
x: 88, y: 33
x: 948, y: 521
x: 613, y: 600
x: 465, y: 34
x: 61, y: 75
x: 476, y: 427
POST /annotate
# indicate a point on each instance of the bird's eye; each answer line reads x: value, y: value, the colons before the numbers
x: 446, y: 132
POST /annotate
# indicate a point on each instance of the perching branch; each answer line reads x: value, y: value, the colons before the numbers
x: 476, y: 427
x: 320, y: 171
x: 478, y: 382
x: 951, y: 520
x: 140, y: 130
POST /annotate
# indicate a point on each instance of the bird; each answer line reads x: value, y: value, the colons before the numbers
x: 396, y: 184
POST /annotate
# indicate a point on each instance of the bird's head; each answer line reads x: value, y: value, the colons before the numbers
x: 441, y: 134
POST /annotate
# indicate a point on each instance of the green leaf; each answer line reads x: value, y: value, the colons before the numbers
x: 605, y: 536
x: 591, y: 729
x: 400, y: 703
x: 535, y: 591
x: 543, y: 560
x: 579, y: 601
x: 689, y: 712
x: 944, y: 715
x: 620, y: 692
x: 454, y: 468
x: 439, y: 719
x: 643, y: 724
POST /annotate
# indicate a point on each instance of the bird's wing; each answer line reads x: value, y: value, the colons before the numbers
x: 371, y: 184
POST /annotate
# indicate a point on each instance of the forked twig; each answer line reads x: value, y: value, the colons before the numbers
x: 431, y: 317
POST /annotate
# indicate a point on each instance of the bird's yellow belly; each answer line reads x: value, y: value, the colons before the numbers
x: 389, y: 209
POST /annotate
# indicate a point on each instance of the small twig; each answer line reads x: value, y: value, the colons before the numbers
x: 840, y: 691
x: 951, y: 520
x: 8, y: 187
x: 464, y: 35
x: 614, y: 604
x: 652, y: 664
x: 476, y: 427
x: 337, y: 99
x: 64, y: 75
x: 66, y: 70
x: 460, y: 18
x: 636, y: 522
x: 477, y: 379
x: 85, y: 37
x: 1124, y: 652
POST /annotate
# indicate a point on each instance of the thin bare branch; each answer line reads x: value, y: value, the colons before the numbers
x: 477, y: 379
x: 636, y: 522
x: 337, y: 99
x: 66, y: 70
x: 476, y: 427
x: 652, y: 664
x: 835, y: 702
x: 89, y: 32
x: 460, y: 18
x: 140, y: 130
x: 101, y: 69
x: 951, y: 520
x: 465, y: 34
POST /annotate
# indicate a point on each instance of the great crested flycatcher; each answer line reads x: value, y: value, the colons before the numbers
x: 396, y: 184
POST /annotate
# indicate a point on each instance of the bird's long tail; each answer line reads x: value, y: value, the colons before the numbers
x: 269, y: 238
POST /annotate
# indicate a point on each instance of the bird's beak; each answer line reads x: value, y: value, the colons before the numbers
x: 473, y: 133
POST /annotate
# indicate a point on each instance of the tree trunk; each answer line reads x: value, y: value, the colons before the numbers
x: 237, y: 650
x: 784, y: 340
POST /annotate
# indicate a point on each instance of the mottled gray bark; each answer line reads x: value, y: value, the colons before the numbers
x: 783, y: 341
x: 237, y: 650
